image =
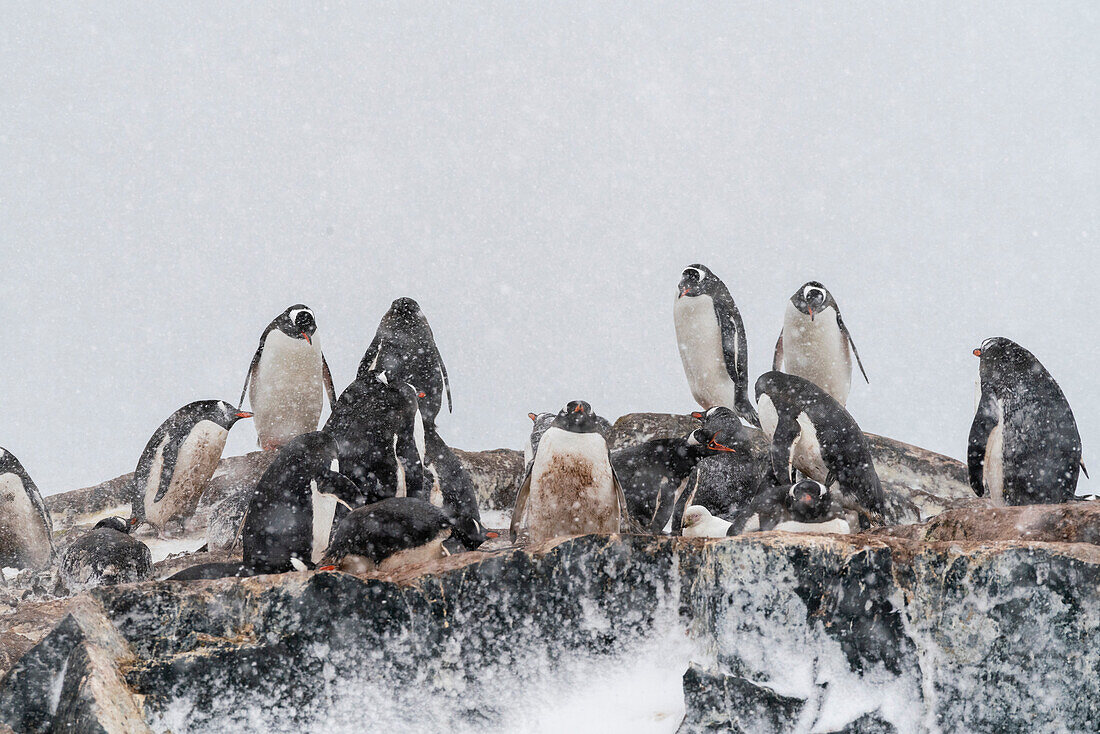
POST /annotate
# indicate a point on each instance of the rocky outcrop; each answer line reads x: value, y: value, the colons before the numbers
x: 1073, y: 522
x: 784, y: 633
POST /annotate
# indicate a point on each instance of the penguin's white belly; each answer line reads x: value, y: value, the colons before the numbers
x: 572, y: 487
x: 837, y: 525
x: 712, y: 527
x: 700, y: 340
x: 817, y: 351
x: 196, y: 461
x: 993, y: 473
x: 23, y: 533
x: 324, y: 512
x: 769, y: 416
x: 286, y: 391
x: 806, y: 451
x: 436, y: 495
x: 430, y: 551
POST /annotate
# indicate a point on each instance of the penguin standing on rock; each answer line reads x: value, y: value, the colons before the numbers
x: 388, y: 534
x: 179, y: 460
x: 571, y: 488
x: 1024, y: 446
x: 812, y: 432
x: 379, y: 433
x: 293, y: 508
x: 26, y: 530
x: 288, y: 377
x: 815, y: 344
x: 404, y: 348
x: 106, y: 555
x: 712, y: 341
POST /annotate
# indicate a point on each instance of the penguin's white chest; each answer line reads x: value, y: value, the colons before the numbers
x: 816, y: 350
x: 769, y: 416
x: 993, y: 470
x: 324, y: 512
x: 806, y: 451
x: 24, y: 537
x: 699, y: 338
x: 286, y: 392
x: 572, y: 487
x: 196, y: 461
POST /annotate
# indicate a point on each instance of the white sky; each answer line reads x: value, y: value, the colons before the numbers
x: 536, y: 176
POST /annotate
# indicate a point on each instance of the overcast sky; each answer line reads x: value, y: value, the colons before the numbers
x: 536, y: 176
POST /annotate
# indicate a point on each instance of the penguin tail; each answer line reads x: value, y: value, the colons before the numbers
x: 1086, y: 471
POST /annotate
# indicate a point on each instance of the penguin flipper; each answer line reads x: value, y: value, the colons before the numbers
x: 848, y: 334
x: 252, y: 369
x: 1084, y: 469
x: 685, y: 496
x: 777, y: 360
x: 168, y: 465
x: 446, y: 380
x: 520, y: 505
x: 735, y: 346
x: 985, y: 420
x: 329, y: 387
x: 627, y: 523
x: 787, y: 431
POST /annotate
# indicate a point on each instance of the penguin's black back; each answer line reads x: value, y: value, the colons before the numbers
x: 379, y: 530
x: 405, y: 349
x: 459, y: 495
x: 1042, y: 446
x: 651, y: 472
x: 279, y: 524
x: 211, y: 571
x: 105, y: 556
x: 367, y: 417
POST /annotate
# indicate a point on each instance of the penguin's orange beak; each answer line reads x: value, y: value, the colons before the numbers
x: 683, y: 292
x: 326, y: 568
x: 697, y: 415
x: 807, y: 498
x: 533, y: 416
x: 492, y: 534
x: 977, y: 352
x: 578, y: 409
x: 422, y: 394
x: 243, y: 414
x: 715, y: 446
x: 811, y: 312
x: 306, y: 337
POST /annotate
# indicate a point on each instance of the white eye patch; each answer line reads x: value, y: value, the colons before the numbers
x: 293, y: 315
x: 810, y: 291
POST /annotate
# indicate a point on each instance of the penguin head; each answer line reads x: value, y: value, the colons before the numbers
x: 717, y: 418
x: 695, y: 515
x: 697, y: 280
x: 724, y: 441
x: 577, y: 417
x: 404, y: 316
x: 117, y: 523
x: 1001, y: 357
x: 297, y: 322
x: 808, y: 500
x: 8, y: 463
x: 225, y: 415
x: 813, y: 298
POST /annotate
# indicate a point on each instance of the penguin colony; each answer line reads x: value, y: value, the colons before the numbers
x: 377, y: 487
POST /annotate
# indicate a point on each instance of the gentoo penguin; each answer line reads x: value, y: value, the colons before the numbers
x: 815, y: 344
x: 726, y: 479
x: 542, y: 421
x: 812, y: 432
x: 388, y: 534
x: 699, y: 523
x: 379, y: 434
x: 179, y: 460
x: 651, y: 472
x: 106, y: 555
x: 718, y: 418
x: 453, y: 491
x: 1024, y: 446
x: 571, y: 488
x: 26, y: 530
x: 712, y: 343
x: 293, y: 507
x: 804, y: 507
x: 288, y: 375
x: 404, y: 348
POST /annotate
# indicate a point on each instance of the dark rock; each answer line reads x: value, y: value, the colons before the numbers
x: 719, y: 702
x: 635, y: 428
x: 496, y: 475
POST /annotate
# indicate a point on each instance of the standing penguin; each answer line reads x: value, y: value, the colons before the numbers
x: 379, y: 433
x: 811, y: 431
x: 815, y: 344
x: 287, y: 374
x: 26, y: 530
x: 388, y: 534
x: 712, y: 342
x: 571, y: 488
x: 404, y: 348
x: 179, y: 460
x: 106, y: 555
x: 1024, y: 446
x: 293, y: 507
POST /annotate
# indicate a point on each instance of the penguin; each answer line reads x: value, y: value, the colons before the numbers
x: 404, y: 348
x: 542, y: 421
x: 294, y: 506
x: 286, y: 377
x: 803, y: 507
x: 452, y: 489
x: 651, y: 472
x: 811, y: 431
x: 379, y: 433
x: 815, y: 344
x: 388, y: 534
x: 179, y: 460
x: 571, y: 488
x: 106, y: 555
x: 727, y: 478
x: 1024, y: 447
x: 26, y: 529
x: 712, y: 342
x: 699, y: 523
